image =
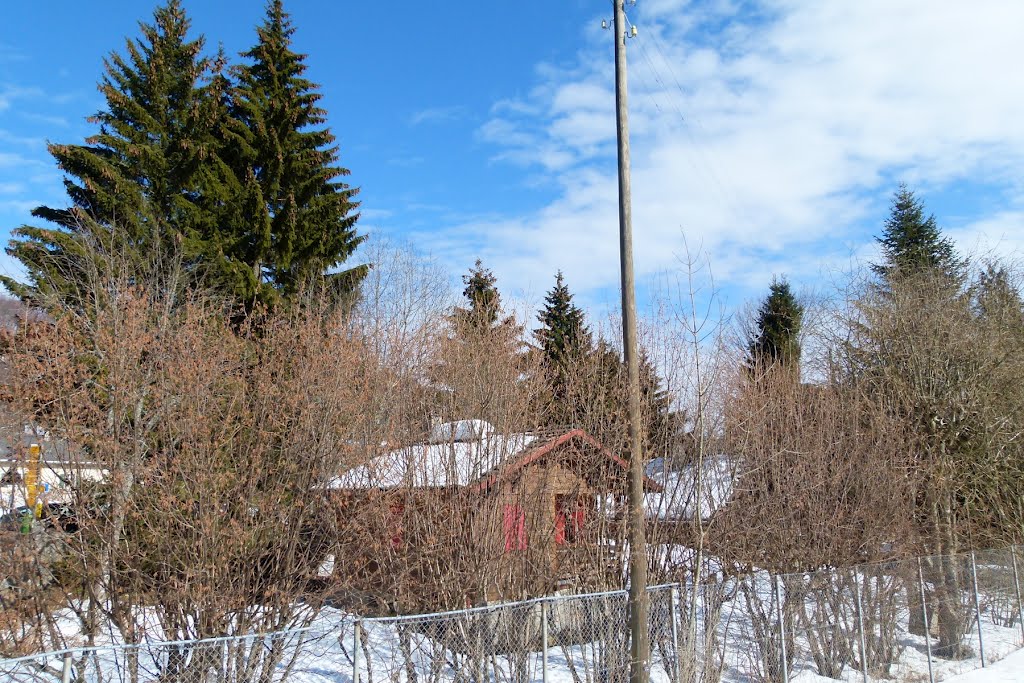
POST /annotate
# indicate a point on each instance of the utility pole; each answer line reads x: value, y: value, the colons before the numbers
x: 639, y: 642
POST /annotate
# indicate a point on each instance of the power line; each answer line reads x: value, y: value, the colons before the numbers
x: 728, y: 197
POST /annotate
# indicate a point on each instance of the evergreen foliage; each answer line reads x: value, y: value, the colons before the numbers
x: 484, y: 302
x: 295, y: 221
x: 134, y: 186
x: 996, y: 298
x: 776, y: 335
x: 912, y: 243
x: 479, y: 372
x: 605, y: 401
x: 941, y: 357
x: 656, y: 409
x: 563, y: 333
x: 239, y: 181
x: 564, y: 342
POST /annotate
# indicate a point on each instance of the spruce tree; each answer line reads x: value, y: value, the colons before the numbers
x: 995, y: 295
x: 479, y: 372
x: 600, y: 400
x: 775, y: 340
x: 928, y: 354
x: 563, y: 333
x: 913, y: 244
x: 133, y: 187
x: 296, y: 224
x: 564, y: 341
x: 656, y: 408
x: 483, y: 301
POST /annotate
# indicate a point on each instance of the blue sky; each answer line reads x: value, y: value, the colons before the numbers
x: 770, y: 133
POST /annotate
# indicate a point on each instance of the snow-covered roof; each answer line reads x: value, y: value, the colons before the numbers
x: 472, y: 453
x: 679, y: 500
x: 449, y: 463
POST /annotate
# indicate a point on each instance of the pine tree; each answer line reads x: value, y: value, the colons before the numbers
x: 133, y: 186
x: 912, y: 244
x: 776, y: 335
x: 297, y: 219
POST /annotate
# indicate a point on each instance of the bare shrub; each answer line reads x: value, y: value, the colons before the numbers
x: 943, y: 361
x: 216, y: 441
x: 824, y: 481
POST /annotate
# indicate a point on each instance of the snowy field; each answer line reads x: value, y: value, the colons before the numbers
x: 585, y: 638
x: 1007, y: 670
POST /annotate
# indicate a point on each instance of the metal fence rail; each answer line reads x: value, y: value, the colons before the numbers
x: 923, y: 619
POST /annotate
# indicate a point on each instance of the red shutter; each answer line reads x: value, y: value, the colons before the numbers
x: 579, y: 516
x: 570, y: 515
x: 560, y: 520
x: 514, y: 526
x: 395, y: 524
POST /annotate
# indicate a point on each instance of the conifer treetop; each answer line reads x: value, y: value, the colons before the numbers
x: 135, y: 186
x: 482, y: 296
x: 912, y: 243
x: 776, y: 334
x: 281, y: 149
x: 563, y: 330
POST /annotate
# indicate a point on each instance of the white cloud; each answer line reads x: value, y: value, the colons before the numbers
x: 1001, y: 234
x: 375, y: 214
x: 48, y: 119
x: 22, y: 140
x: 406, y: 162
x: 9, y: 94
x: 18, y: 207
x: 12, y: 268
x: 769, y: 132
x: 437, y: 115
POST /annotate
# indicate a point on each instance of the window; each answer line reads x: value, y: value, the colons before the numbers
x: 514, y: 526
x: 570, y: 515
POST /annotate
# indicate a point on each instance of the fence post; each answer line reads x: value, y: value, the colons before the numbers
x: 860, y: 625
x: 673, y: 615
x: 544, y: 640
x: 977, y: 609
x: 357, y: 633
x: 1016, y: 585
x: 65, y: 674
x: 927, y: 624
x: 782, y: 628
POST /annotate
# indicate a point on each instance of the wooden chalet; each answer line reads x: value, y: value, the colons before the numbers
x: 474, y: 516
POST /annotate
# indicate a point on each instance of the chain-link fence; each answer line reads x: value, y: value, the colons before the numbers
x: 310, y: 654
x: 924, y: 619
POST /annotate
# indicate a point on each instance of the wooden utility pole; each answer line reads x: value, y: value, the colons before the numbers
x: 639, y: 642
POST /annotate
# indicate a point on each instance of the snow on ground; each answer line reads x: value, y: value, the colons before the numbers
x: 11, y: 497
x: 586, y: 639
x: 1007, y: 670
